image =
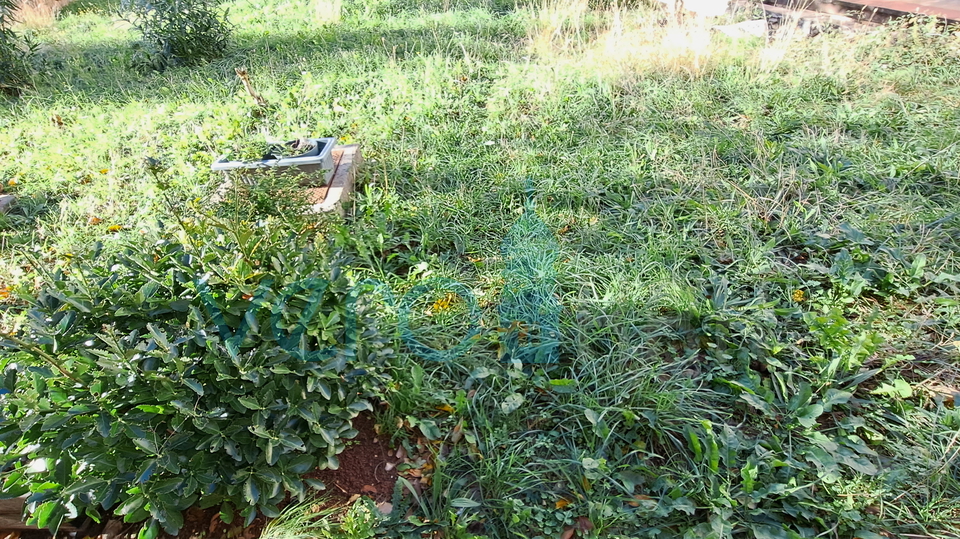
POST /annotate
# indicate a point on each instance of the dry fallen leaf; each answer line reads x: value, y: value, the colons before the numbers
x: 584, y: 524
x: 457, y: 432
x: 561, y: 503
x: 94, y: 221
x: 640, y: 498
x: 213, y: 523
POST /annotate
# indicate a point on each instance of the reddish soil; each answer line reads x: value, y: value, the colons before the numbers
x: 363, y: 468
x: 363, y: 472
x: 206, y: 523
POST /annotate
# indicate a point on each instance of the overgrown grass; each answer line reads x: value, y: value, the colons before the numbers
x: 757, y: 245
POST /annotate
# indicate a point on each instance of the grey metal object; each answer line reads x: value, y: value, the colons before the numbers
x: 318, y: 159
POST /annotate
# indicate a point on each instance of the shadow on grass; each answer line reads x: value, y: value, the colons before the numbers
x: 79, y: 7
x: 102, y: 72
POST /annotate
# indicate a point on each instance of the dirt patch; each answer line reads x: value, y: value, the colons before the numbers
x: 206, y: 523
x: 367, y: 468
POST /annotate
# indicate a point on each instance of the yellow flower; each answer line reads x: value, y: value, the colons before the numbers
x: 12, y: 182
x: 799, y: 295
x: 444, y: 303
x: 114, y: 228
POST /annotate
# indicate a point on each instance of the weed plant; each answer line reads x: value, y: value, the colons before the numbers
x: 177, y: 32
x: 15, y: 68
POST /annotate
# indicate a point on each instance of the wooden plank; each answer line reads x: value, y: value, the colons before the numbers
x: 11, y: 517
x: 347, y: 160
x: 876, y: 11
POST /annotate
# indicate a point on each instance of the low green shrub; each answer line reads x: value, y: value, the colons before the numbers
x: 201, y: 369
x: 14, y: 53
x: 177, y: 32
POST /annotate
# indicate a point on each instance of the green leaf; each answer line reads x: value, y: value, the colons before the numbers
x: 81, y: 409
x: 762, y: 531
x: 683, y: 504
x: 807, y: 415
x: 250, y: 491
x: 132, y: 504
x: 835, y: 397
x: 749, y: 474
x: 301, y: 464
x: 158, y: 337
x: 271, y: 453
x: 147, y: 471
x: 694, y: 442
x: 464, y: 502
x: 713, y: 452
x: 859, y: 463
x: 430, y: 429
x: 249, y: 403
x: 226, y: 513
x: 150, y: 530
x: 196, y: 386
x: 167, y: 486
x: 360, y: 406
x: 757, y: 402
x: 269, y: 511
x: 147, y: 445
x: 48, y: 515
x: 900, y: 388
x: 315, y: 484
x: 564, y: 386
x: 306, y: 412
x: 54, y: 422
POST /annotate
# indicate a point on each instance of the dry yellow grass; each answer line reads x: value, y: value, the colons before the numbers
x: 39, y: 13
x: 617, y: 42
x: 620, y: 44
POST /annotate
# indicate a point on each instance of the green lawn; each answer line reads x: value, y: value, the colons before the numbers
x: 756, y: 245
